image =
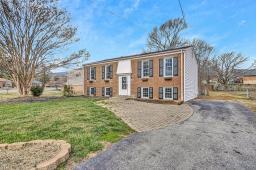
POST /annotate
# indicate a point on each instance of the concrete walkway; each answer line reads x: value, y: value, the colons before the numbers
x: 219, y: 135
x: 142, y: 116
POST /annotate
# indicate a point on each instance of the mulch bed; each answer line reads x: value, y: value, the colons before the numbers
x: 27, y: 156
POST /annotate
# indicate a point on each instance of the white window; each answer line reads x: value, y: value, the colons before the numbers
x: 168, y: 67
x: 145, y: 92
x: 107, y: 72
x: 92, y: 73
x: 168, y: 93
x: 92, y: 91
x: 107, y: 91
x: 145, y: 68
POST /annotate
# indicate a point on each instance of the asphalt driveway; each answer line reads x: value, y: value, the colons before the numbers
x: 219, y: 135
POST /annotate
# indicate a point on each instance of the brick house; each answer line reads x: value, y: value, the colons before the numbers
x: 249, y: 77
x: 165, y: 75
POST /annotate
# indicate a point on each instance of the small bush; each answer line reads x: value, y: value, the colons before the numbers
x: 37, y: 91
x: 68, y: 91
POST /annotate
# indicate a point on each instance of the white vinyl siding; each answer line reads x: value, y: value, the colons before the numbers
x: 190, y: 76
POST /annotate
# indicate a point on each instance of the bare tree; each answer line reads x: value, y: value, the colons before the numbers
x: 166, y: 36
x: 31, y: 34
x: 225, y: 65
x: 204, y: 54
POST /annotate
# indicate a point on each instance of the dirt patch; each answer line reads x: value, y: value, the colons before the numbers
x: 32, y: 155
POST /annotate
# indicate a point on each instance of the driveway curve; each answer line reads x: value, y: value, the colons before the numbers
x: 219, y: 135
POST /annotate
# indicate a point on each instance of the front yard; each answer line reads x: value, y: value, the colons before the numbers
x: 79, y: 121
x: 234, y: 96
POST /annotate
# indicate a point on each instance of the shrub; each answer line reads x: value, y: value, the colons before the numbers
x: 37, y: 91
x: 68, y: 91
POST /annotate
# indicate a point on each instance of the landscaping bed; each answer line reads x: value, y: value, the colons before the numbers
x: 34, y: 154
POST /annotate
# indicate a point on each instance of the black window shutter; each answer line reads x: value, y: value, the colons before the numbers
x: 150, y: 68
x: 94, y: 73
x: 88, y: 91
x: 175, y: 66
x: 161, y: 67
x: 139, y: 69
x: 175, y: 93
x: 111, y: 71
x: 151, y: 92
x: 95, y: 90
x: 139, y: 92
x: 88, y: 73
x: 110, y: 91
x: 161, y: 93
x: 103, y: 72
x: 103, y: 91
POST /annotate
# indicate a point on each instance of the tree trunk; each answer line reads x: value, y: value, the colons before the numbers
x: 23, y: 88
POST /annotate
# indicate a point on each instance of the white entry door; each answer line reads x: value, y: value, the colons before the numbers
x: 124, y: 85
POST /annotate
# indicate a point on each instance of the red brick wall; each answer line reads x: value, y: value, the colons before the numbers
x: 154, y: 81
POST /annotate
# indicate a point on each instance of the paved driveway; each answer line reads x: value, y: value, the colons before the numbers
x: 143, y: 116
x: 219, y: 135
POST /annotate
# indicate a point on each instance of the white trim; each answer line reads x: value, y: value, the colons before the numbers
x: 170, y: 57
x: 106, y: 91
x: 142, y: 92
x: 105, y: 77
x: 91, y: 74
x: 164, y: 88
x: 91, y: 91
x: 142, y: 69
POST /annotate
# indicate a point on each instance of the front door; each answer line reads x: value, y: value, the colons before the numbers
x: 124, y: 85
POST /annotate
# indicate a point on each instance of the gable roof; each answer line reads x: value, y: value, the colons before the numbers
x: 250, y: 72
x: 137, y: 55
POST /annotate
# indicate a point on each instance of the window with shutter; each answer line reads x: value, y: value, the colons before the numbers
x: 168, y: 67
x: 145, y: 92
x: 103, y: 72
x: 103, y: 91
x: 88, y: 73
x: 139, y: 69
x: 151, y: 68
x: 107, y: 91
x: 111, y: 93
x: 151, y: 92
x: 175, y: 93
x: 145, y: 68
x: 175, y: 66
x: 92, y: 73
x: 161, y: 67
x: 161, y: 91
x: 139, y: 92
x: 88, y: 91
x: 168, y: 93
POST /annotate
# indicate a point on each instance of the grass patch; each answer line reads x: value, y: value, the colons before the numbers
x: 233, y: 96
x: 79, y: 121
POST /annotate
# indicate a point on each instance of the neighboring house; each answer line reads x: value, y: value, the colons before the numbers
x: 75, y: 79
x: 5, y: 83
x: 36, y: 83
x: 249, y: 77
x: 165, y: 75
x: 57, y: 79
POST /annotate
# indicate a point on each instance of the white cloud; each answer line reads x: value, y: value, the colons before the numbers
x: 133, y: 7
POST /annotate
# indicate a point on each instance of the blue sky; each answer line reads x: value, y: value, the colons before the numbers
x: 109, y: 28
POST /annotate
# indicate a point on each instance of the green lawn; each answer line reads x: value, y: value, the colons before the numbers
x: 77, y: 120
